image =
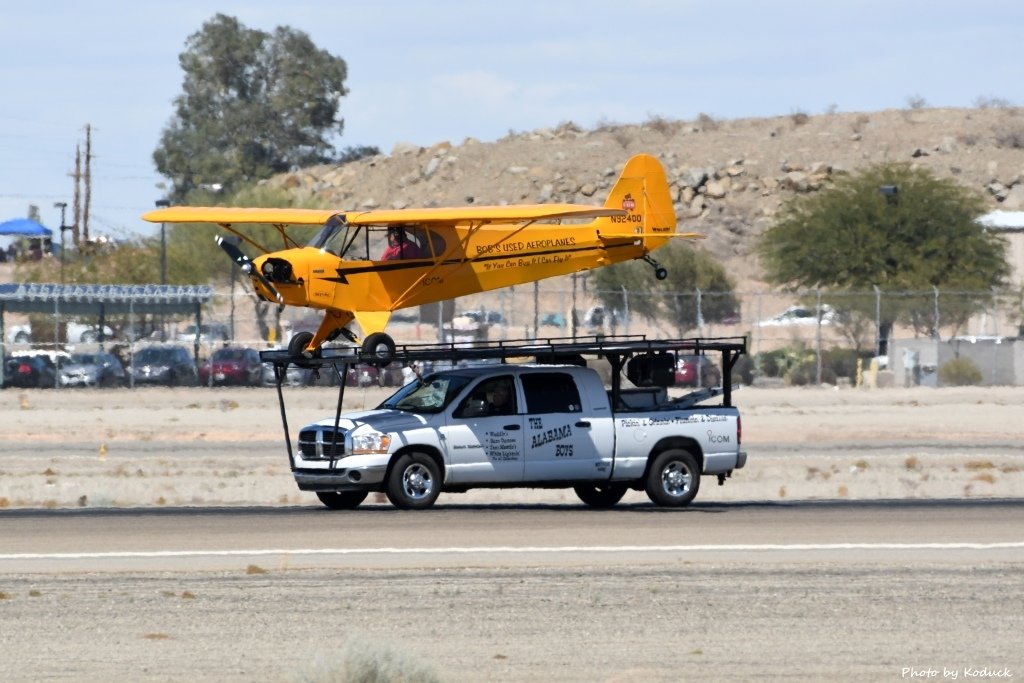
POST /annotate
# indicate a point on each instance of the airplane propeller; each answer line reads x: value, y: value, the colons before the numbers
x: 247, y: 266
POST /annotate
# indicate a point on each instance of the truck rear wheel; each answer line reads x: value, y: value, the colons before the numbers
x: 673, y: 479
x: 341, y: 500
x: 414, y: 482
x: 600, y: 495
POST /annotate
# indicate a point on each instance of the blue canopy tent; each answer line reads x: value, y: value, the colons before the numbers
x: 41, y: 237
x: 24, y: 227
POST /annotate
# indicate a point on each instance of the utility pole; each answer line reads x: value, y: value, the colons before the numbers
x: 88, y: 181
x: 61, y: 206
x: 76, y: 212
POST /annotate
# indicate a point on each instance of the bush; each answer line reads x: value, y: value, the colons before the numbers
x: 806, y: 373
x: 743, y: 371
x: 780, y: 362
x: 843, y: 362
x: 959, y: 372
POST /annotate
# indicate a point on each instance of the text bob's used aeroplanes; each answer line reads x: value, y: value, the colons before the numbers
x: 363, y: 265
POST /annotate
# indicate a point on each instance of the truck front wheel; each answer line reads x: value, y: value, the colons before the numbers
x: 414, y: 482
x: 341, y: 500
x: 600, y: 495
x: 673, y: 479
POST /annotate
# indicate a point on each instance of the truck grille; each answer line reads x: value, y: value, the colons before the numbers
x: 322, y: 444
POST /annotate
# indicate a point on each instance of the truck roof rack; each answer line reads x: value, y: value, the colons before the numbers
x: 551, y: 347
x: 615, y: 348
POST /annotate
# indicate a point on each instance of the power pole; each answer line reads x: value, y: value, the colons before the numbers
x: 76, y: 212
x: 88, y: 181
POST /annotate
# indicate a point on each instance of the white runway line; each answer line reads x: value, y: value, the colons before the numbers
x: 508, y: 550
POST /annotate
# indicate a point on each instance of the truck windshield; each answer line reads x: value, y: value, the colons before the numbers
x: 432, y: 394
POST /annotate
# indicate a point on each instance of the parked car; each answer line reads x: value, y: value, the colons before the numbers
x: 800, y: 315
x: 169, y: 365
x: 697, y: 371
x: 30, y: 372
x: 208, y: 332
x: 76, y: 333
x: 93, y: 370
x: 232, y: 365
x: 294, y: 376
x: 19, y: 334
x: 484, y: 316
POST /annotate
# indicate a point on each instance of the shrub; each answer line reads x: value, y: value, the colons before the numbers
x: 959, y: 372
x: 806, y: 373
x: 743, y: 371
x: 843, y: 362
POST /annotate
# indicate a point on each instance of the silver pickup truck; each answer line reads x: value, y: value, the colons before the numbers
x: 534, y: 426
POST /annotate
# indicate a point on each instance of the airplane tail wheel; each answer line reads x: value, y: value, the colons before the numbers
x: 660, y: 273
x: 380, y: 345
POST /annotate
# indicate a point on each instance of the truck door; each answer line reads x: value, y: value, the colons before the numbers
x: 560, y: 442
x: 484, y: 434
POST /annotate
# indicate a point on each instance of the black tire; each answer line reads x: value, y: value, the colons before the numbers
x: 601, y: 495
x: 298, y: 343
x: 414, y: 482
x: 674, y: 478
x: 380, y: 345
x: 341, y: 500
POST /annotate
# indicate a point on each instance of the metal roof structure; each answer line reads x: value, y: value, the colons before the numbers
x: 102, y: 299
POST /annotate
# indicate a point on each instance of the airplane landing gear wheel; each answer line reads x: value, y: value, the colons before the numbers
x: 380, y: 345
x: 660, y: 273
x: 298, y: 343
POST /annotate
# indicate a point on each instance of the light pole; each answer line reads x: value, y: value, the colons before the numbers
x: 163, y: 204
x: 892, y: 198
x: 62, y: 206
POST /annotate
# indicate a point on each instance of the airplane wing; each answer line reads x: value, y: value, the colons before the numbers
x: 223, y: 215
x: 462, y: 214
x: 481, y: 214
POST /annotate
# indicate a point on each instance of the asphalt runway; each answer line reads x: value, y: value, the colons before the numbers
x: 500, y: 535
x: 738, y: 591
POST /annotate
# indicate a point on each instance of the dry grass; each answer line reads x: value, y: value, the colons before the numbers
x: 975, y: 465
x: 365, y: 661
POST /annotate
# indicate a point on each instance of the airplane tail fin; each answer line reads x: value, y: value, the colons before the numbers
x: 642, y: 191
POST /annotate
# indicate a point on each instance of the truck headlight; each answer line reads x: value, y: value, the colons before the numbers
x: 370, y: 442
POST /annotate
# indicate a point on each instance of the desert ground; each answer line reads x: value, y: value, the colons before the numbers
x: 869, y: 617
x: 225, y: 447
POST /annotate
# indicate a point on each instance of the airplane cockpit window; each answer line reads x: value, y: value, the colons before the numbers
x: 334, y: 237
x: 377, y: 242
x: 398, y: 242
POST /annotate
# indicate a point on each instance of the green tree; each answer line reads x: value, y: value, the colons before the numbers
x: 891, y: 226
x: 253, y: 104
x: 674, y: 300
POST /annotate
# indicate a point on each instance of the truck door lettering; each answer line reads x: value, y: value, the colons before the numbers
x: 555, y: 434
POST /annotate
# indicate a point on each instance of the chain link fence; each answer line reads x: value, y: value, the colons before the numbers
x: 793, y: 337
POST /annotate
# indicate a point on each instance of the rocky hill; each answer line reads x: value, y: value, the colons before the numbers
x: 729, y: 177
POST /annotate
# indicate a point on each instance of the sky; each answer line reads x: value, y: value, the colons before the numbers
x: 423, y: 72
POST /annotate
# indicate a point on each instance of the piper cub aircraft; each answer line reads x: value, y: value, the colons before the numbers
x: 363, y: 265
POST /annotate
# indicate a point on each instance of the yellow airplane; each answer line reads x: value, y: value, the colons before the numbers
x: 363, y: 265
